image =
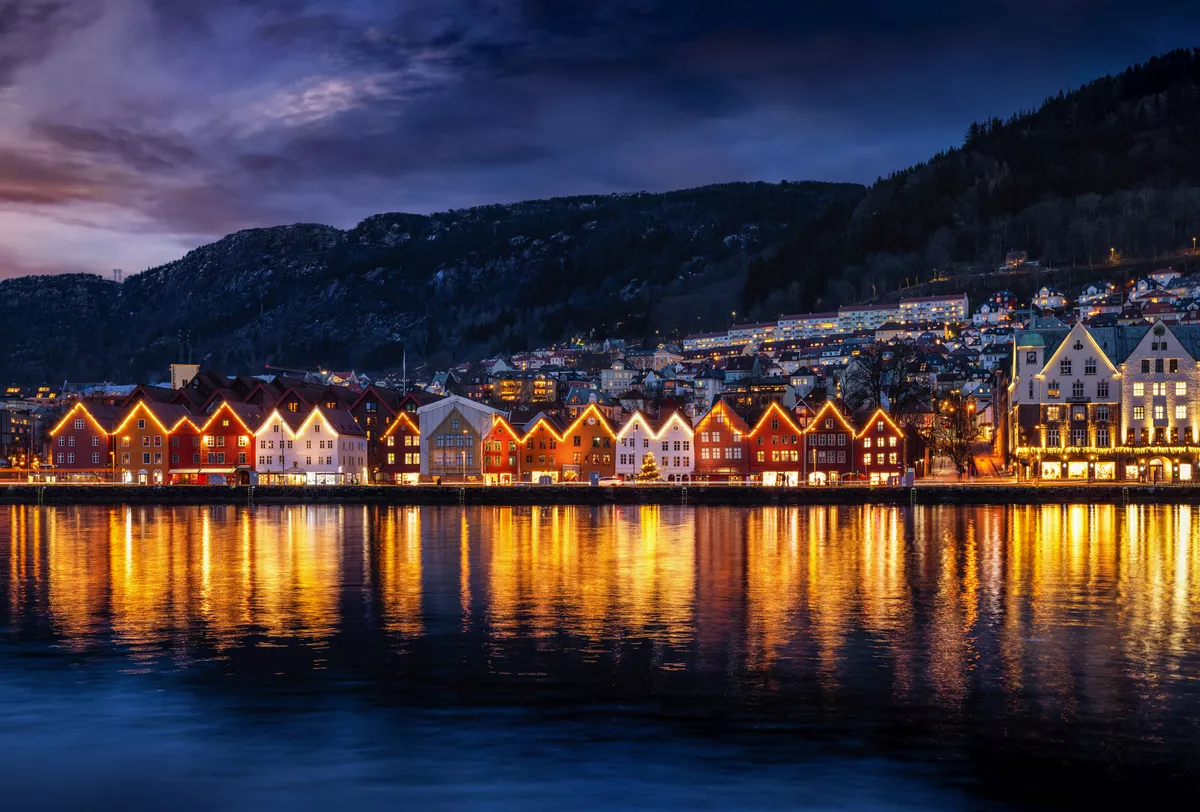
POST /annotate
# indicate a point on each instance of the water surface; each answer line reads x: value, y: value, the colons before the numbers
x: 550, y: 658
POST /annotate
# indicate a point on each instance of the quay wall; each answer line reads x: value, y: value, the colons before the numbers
x: 692, y: 495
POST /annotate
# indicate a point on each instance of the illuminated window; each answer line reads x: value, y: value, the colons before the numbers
x: 1160, y: 412
x: 1180, y: 388
x: 1181, y: 412
x: 1139, y: 389
x: 1139, y: 413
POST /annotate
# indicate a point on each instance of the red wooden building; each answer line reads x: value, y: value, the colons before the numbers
x: 830, y: 446
x: 881, y: 448
x: 720, y: 442
x: 776, y: 448
x: 81, y: 442
x: 542, y: 449
x: 400, y: 455
x: 219, y: 450
x: 501, y: 453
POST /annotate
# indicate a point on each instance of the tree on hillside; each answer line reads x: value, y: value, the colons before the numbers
x: 649, y: 472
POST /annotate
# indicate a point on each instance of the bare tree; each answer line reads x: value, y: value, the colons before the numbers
x: 885, y: 373
x: 956, y: 430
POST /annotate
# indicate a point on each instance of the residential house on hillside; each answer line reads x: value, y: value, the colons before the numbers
x: 1050, y: 298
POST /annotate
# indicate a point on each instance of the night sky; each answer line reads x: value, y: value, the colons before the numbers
x: 134, y: 130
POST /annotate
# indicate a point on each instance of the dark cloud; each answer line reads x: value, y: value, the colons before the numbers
x: 172, y: 121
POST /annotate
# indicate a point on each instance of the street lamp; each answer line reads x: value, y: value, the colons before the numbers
x: 464, y: 456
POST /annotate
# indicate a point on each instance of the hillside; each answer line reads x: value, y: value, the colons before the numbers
x: 1111, y: 165
x: 445, y: 286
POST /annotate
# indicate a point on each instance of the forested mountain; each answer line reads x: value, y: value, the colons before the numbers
x: 1112, y: 165
x: 447, y: 286
x: 1110, y: 168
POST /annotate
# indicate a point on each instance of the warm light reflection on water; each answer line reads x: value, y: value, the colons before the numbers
x: 1025, y: 593
x: 1084, y: 616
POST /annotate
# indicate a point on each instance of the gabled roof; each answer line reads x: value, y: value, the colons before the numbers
x: 342, y: 421
x: 102, y: 416
x: 166, y: 415
x: 250, y: 415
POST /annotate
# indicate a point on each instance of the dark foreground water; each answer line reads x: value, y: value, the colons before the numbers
x: 581, y: 658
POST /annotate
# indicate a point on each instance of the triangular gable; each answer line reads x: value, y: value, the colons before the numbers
x: 829, y: 407
x: 401, y: 417
x: 878, y: 413
x: 225, y: 407
x: 732, y: 418
x: 782, y: 412
x: 593, y: 410
x: 532, y: 427
x: 70, y: 415
x: 141, y: 406
x: 675, y: 417
x: 1081, y: 332
x: 636, y: 417
x: 266, y: 424
x: 498, y: 420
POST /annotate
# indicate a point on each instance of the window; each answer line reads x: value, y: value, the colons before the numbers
x: 1158, y: 365
x: 1102, y: 413
x: 1078, y: 437
x: 1145, y: 366
x: 141, y: 424
x: 1173, y: 365
x: 1052, y: 412
x: 95, y: 459
x: 1160, y: 412
x: 1158, y: 388
x: 1031, y: 389
x: 1052, y: 389
x: 866, y: 459
x: 1102, y: 389
x: 866, y: 442
x: 79, y: 425
x: 71, y: 442
x: 1139, y: 389
x: 1051, y: 438
x: 1181, y: 412
x: 1180, y: 388
x: 1077, y: 389
x: 146, y: 458
x: 1139, y: 412
x: 1102, y: 438
x: 1089, y: 366
x: 1064, y: 366
x: 893, y: 458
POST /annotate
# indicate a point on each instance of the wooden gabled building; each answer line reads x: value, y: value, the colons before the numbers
x: 829, y: 446
x: 81, y: 442
x: 501, y: 453
x: 720, y: 442
x: 589, y: 447
x: 141, y: 441
x: 777, y: 448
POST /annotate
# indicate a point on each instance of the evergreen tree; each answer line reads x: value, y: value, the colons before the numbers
x: 649, y: 472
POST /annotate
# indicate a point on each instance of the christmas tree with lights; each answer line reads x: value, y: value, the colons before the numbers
x: 649, y: 472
